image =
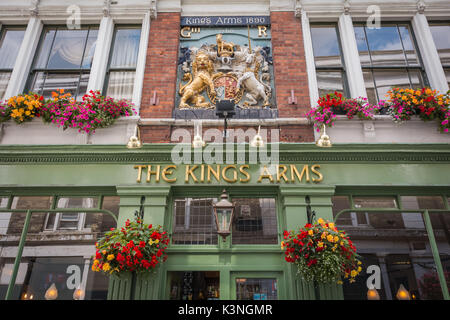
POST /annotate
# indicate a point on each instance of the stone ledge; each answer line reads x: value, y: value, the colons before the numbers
x: 39, y: 133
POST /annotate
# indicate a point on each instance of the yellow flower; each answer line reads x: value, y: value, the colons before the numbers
x: 110, y: 257
x: 339, y: 282
x: 106, y: 267
x: 96, y: 262
x: 331, y: 225
x: 359, y: 263
x: 321, y: 221
x: 359, y: 269
x: 104, y: 251
x: 353, y: 273
x: 282, y: 244
x: 330, y: 238
x: 320, y: 244
x: 153, y: 241
x: 324, y: 235
x: 336, y: 238
x: 428, y: 91
x: 311, y: 232
x: 418, y: 93
x: 27, y: 112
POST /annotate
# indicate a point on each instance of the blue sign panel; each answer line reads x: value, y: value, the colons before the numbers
x: 225, y: 21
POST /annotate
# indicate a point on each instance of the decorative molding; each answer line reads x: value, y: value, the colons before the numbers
x: 106, y: 8
x: 421, y: 6
x: 153, y: 9
x: 298, y: 9
x: 346, y: 7
x: 34, y: 10
x: 288, y: 153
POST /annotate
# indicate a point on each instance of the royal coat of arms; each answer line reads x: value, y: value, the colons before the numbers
x: 225, y: 71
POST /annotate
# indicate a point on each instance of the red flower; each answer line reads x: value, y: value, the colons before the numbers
x: 142, y: 244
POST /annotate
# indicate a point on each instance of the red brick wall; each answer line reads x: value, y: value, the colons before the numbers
x: 161, y: 66
x: 289, y: 73
x: 289, y: 64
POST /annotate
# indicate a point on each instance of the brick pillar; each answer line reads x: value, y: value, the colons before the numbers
x: 161, y: 66
x: 289, y: 64
x: 290, y: 74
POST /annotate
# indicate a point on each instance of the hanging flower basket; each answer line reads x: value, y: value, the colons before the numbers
x: 135, y: 248
x: 322, y: 253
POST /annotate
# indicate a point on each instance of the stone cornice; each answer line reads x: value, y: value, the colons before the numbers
x: 288, y: 153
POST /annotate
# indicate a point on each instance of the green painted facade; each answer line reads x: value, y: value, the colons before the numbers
x: 357, y: 169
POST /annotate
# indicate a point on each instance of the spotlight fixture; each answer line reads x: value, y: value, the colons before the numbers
x: 324, y: 140
x: 225, y: 109
x: 135, y: 141
x: 198, y: 142
x: 257, y: 141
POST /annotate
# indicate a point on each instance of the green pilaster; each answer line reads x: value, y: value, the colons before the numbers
x: 295, y: 214
x: 146, y: 286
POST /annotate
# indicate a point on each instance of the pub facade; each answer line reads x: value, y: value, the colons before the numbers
x: 221, y: 94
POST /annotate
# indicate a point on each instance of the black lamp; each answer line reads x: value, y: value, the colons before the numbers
x: 225, y: 109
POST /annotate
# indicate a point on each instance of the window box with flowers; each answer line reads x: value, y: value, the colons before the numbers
x: 406, y: 116
x: 61, y: 111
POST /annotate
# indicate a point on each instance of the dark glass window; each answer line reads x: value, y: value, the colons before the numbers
x: 441, y: 37
x: 256, y: 289
x: 389, y: 58
x: 255, y: 221
x: 394, y: 246
x: 122, y: 66
x: 10, y: 42
x: 194, y: 221
x: 330, y: 69
x: 63, y: 61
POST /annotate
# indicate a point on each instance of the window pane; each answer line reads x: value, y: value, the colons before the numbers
x: 126, y: 48
x: 326, y: 46
x: 256, y: 289
x: 361, y: 42
x: 340, y: 203
x: 408, y: 46
x: 37, y: 82
x: 194, y: 221
x: 54, y: 81
x: 255, y: 221
x: 37, y: 219
x: 387, y: 79
x: 67, y: 50
x: 10, y: 42
x: 447, y: 75
x: 194, y: 285
x: 442, y: 41
x: 416, y: 79
x: 329, y: 82
x: 90, y: 49
x: 370, y: 87
x: 84, y: 80
x: 46, y: 46
x: 4, y: 80
x: 120, y: 85
x: 385, y: 46
x: 374, y: 202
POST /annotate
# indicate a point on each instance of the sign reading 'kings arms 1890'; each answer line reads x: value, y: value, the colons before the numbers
x: 230, y: 173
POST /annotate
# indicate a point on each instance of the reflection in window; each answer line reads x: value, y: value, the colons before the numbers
x: 194, y: 221
x: 52, y: 257
x: 389, y: 58
x: 10, y: 42
x: 327, y: 57
x: 441, y: 38
x: 70, y: 220
x: 256, y: 289
x: 255, y: 221
x: 395, y: 243
x: 122, y: 65
x: 64, y: 61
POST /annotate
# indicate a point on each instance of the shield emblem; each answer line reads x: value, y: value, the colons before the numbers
x: 226, y: 88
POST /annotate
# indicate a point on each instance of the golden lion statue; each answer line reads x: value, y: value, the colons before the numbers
x: 202, y: 68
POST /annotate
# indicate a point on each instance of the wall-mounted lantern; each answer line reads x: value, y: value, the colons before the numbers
x: 223, y: 212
